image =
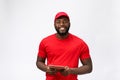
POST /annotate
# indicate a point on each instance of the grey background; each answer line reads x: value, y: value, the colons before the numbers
x: 23, y: 23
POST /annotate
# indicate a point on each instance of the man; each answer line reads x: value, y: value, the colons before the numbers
x: 63, y: 49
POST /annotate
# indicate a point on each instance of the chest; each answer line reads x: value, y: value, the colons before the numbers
x: 62, y: 48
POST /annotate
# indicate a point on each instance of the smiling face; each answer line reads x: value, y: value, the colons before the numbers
x: 62, y: 25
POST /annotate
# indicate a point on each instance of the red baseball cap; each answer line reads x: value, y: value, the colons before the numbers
x: 59, y: 14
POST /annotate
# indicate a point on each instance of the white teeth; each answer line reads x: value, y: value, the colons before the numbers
x: 61, y: 28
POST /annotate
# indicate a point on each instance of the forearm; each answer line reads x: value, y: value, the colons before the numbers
x: 45, y: 68
x: 41, y: 66
x: 81, y: 70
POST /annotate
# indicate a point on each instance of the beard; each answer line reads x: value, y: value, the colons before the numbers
x: 64, y: 32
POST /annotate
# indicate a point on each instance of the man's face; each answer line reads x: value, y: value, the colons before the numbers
x: 62, y: 25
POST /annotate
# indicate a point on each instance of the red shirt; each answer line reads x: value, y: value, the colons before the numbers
x: 65, y: 52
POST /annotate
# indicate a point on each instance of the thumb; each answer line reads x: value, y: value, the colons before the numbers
x: 66, y: 68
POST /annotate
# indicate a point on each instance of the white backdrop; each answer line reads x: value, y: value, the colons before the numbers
x: 23, y: 23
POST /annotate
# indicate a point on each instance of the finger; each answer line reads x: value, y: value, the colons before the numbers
x: 66, y: 68
x: 48, y: 69
x: 52, y: 69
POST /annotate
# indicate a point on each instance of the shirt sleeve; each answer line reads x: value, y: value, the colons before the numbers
x: 84, y: 52
x: 41, y: 50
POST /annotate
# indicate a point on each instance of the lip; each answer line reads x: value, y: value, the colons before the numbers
x: 62, y: 30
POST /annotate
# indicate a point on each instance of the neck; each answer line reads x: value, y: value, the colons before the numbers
x: 62, y: 37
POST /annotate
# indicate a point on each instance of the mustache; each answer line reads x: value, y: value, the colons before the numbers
x: 62, y: 34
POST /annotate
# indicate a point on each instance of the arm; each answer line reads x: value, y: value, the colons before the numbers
x: 41, y: 65
x: 85, y: 68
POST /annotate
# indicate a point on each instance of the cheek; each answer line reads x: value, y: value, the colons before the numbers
x: 56, y: 26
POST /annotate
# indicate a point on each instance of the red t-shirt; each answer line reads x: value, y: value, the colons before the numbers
x: 66, y: 52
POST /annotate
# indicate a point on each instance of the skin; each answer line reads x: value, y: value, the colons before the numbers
x: 62, y: 26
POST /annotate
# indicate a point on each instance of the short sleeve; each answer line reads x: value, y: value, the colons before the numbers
x: 84, y: 52
x: 41, y: 50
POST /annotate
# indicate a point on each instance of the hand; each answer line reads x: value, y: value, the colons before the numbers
x: 66, y: 71
x: 51, y: 71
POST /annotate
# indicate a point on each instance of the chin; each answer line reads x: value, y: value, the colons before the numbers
x: 63, y: 34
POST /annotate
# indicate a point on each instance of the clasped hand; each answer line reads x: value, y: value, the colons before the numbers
x: 53, y: 71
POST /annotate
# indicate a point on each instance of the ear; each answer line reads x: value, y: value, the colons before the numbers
x: 70, y: 24
x: 54, y: 23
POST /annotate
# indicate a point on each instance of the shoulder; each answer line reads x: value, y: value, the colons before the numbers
x: 48, y: 38
x: 78, y: 39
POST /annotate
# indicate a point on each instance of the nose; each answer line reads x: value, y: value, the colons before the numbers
x: 61, y: 23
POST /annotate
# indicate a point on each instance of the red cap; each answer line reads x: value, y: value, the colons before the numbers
x: 59, y: 14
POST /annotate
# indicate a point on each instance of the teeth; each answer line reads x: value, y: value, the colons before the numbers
x: 61, y: 28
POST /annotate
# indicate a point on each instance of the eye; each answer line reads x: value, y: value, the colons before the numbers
x: 58, y: 21
x: 65, y: 21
